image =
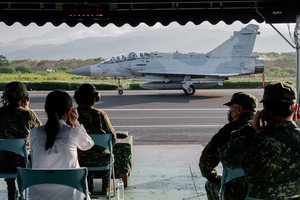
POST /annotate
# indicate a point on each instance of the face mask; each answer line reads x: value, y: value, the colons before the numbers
x: 230, y: 119
x: 266, y: 117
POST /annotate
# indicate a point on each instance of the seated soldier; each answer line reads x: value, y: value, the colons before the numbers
x: 241, y: 111
x: 268, y: 150
x: 16, y: 122
x: 95, y: 121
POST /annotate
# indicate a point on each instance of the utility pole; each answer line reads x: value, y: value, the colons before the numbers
x: 297, y: 43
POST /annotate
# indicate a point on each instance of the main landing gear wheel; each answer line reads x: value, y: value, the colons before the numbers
x: 190, y: 91
x: 120, y: 91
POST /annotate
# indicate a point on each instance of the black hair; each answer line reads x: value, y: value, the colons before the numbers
x: 86, y: 95
x: 13, y: 92
x: 280, y: 109
x: 57, y: 104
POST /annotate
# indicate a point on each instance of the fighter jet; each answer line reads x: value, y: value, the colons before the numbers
x: 184, y: 71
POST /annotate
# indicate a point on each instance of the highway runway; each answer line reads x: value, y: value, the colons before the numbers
x: 161, y: 116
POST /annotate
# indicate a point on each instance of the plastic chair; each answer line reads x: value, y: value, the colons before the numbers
x: 105, y: 141
x: 73, y: 177
x: 229, y: 175
x: 17, y: 146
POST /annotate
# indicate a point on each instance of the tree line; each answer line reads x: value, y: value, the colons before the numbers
x: 276, y: 64
x: 28, y: 65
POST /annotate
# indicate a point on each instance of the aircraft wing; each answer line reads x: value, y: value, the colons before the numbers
x: 182, y: 73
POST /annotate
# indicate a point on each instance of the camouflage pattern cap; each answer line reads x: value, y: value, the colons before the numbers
x: 246, y: 100
x: 280, y: 92
x: 14, y: 91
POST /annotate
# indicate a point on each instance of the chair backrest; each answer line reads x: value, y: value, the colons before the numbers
x: 230, y: 174
x: 103, y: 140
x: 17, y: 146
x: 72, y: 177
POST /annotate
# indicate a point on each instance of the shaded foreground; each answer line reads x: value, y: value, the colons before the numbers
x: 161, y: 172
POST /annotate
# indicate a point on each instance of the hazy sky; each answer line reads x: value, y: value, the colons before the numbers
x: 12, y: 33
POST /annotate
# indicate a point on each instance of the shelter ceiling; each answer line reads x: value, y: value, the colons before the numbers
x: 134, y: 12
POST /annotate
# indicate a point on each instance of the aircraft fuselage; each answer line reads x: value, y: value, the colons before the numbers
x: 187, y: 71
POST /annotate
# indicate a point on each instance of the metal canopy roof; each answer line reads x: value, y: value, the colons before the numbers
x: 134, y: 12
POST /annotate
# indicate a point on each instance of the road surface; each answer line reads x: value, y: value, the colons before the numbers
x: 161, y: 116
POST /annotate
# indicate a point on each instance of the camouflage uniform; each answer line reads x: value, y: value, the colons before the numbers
x: 237, y: 188
x: 94, y: 121
x: 15, y: 122
x: 271, y: 157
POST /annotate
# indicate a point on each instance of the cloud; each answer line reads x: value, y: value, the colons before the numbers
x: 157, y: 37
x: 96, y: 31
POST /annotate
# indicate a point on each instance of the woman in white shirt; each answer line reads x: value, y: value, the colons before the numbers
x: 55, y: 145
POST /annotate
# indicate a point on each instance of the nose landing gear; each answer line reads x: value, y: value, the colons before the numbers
x: 120, y: 89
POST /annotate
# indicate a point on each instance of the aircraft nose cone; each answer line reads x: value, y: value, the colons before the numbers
x: 84, y: 71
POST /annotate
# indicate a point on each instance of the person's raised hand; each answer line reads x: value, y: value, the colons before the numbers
x: 73, y: 117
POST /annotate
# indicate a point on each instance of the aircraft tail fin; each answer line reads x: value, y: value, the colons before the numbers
x: 240, y: 44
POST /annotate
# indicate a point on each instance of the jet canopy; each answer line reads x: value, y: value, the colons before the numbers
x: 129, y: 57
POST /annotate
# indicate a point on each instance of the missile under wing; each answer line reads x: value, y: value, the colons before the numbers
x: 184, y: 71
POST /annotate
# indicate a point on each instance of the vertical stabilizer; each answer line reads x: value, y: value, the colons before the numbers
x: 240, y: 44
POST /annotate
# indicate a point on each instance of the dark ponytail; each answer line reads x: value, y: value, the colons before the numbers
x: 51, y: 128
x: 57, y: 104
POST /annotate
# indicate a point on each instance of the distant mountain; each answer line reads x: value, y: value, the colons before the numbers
x: 195, y: 39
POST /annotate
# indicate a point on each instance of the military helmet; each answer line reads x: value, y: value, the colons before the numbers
x: 86, y: 94
x: 280, y: 92
x: 244, y: 99
x: 14, y: 91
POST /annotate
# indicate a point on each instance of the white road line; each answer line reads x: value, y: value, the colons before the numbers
x: 156, y: 109
x: 167, y: 117
x: 167, y: 126
x: 213, y: 117
x: 38, y: 110
x: 169, y: 109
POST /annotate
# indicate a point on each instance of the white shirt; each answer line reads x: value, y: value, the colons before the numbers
x: 63, y: 154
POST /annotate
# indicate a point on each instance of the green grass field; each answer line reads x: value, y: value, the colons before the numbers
x: 251, y: 81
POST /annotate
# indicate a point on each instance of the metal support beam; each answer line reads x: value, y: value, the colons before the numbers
x: 297, y: 43
x: 297, y: 47
x: 293, y: 46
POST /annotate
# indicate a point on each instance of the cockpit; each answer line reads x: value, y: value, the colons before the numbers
x: 129, y: 57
